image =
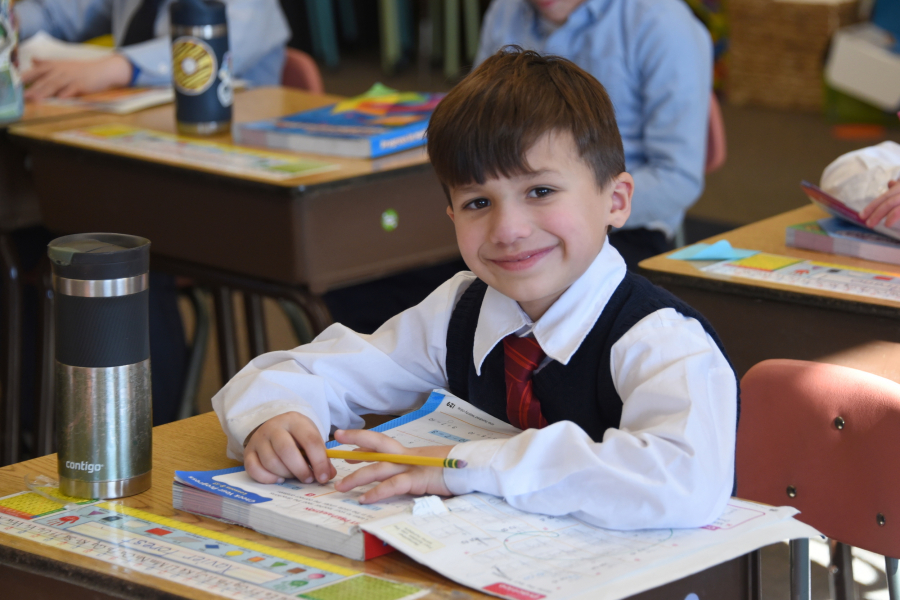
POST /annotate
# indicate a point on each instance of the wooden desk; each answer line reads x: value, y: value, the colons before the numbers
x: 34, y: 571
x: 759, y: 320
x: 320, y: 231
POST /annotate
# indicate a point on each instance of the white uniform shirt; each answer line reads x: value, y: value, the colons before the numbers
x: 670, y: 463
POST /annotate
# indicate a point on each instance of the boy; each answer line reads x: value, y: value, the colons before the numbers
x: 257, y: 32
x: 630, y: 417
x: 655, y: 59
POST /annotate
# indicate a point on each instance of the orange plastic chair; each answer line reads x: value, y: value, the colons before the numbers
x: 824, y: 438
x: 715, y: 136
x: 300, y: 71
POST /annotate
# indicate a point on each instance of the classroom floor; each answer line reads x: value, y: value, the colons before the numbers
x: 769, y: 153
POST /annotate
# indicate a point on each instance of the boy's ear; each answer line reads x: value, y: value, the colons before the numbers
x: 450, y: 214
x: 622, y: 190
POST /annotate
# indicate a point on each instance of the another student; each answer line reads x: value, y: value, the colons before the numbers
x: 629, y: 419
x: 257, y: 32
x: 655, y: 60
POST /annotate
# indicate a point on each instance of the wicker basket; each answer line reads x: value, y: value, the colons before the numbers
x: 778, y: 50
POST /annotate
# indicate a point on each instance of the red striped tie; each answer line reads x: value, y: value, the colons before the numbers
x: 522, y: 355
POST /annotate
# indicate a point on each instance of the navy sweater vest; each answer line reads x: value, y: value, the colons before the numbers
x: 581, y: 391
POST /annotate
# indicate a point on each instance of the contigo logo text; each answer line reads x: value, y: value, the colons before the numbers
x: 83, y: 466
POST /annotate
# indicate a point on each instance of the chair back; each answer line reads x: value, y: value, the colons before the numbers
x: 715, y: 136
x: 300, y: 71
x: 824, y: 439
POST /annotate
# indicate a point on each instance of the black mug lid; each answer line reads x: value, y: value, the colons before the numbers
x: 95, y: 256
x: 193, y: 13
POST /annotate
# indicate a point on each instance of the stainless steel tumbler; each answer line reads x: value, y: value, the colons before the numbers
x: 103, y: 400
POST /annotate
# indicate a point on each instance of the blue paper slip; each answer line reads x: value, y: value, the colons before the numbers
x: 721, y: 250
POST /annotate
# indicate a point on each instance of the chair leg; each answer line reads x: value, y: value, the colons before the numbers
x: 197, y: 353
x: 841, y: 571
x: 256, y: 324
x: 800, y: 575
x: 299, y: 322
x: 451, y: 38
x: 391, y: 49
x: 322, y: 31
x: 11, y: 375
x: 45, y: 414
x: 893, y: 577
x: 227, y: 336
x: 472, y: 17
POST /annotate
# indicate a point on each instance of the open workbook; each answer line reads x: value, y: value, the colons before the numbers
x: 476, y: 539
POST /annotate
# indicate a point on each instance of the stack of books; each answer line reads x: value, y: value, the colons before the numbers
x: 382, y: 121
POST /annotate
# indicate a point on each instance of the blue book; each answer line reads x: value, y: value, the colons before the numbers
x: 382, y: 121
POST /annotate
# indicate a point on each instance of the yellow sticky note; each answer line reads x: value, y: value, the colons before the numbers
x: 766, y: 262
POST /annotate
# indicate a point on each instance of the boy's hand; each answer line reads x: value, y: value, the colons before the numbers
x: 67, y: 78
x: 885, y: 206
x: 396, y: 479
x: 273, y: 451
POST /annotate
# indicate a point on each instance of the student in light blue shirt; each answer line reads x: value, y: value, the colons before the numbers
x: 655, y: 60
x: 257, y: 31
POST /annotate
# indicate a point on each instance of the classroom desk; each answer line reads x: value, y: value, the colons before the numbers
x: 18, y: 210
x: 294, y: 238
x: 34, y: 571
x: 760, y: 320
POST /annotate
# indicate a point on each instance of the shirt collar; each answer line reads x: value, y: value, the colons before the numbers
x: 566, y: 323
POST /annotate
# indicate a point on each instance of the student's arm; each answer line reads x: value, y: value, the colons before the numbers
x: 68, y: 20
x: 257, y: 32
x: 669, y: 464
x: 342, y: 374
x: 885, y: 206
x: 674, y: 57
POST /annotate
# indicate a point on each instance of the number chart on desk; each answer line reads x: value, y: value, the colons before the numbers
x: 210, y: 561
x: 813, y: 275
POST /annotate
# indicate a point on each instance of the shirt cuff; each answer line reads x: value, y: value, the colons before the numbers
x: 478, y: 475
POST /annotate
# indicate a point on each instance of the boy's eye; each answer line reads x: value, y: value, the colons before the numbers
x: 540, y: 192
x: 477, y: 203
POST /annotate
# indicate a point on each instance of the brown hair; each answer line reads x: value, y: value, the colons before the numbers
x: 489, y: 121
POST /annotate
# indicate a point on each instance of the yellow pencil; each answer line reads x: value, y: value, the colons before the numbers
x: 403, y: 459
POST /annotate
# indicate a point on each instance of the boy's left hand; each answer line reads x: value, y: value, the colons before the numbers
x: 396, y: 479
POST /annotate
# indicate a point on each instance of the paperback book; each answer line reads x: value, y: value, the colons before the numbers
x: 837, y: 236
x: 318, y: 515
x: 842, y: 210
x: 380, y: 122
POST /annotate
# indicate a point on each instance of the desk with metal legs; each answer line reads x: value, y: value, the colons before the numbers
x: 759, y: 320
x: 294, y: 238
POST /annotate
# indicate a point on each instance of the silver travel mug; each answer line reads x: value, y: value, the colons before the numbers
x: 103, y: 401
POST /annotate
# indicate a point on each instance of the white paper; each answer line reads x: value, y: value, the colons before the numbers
x: 486, y: 544
x: 44, y: 46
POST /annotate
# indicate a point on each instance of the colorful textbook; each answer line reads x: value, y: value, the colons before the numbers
x: 381, y: 121
x: 476, y: 539
x: 843, y: 210
x: 836, y: 236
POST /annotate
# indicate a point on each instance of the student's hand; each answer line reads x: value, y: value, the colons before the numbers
x: 67, y: 78
x: 396, y: 479
x: 885, y: 206
x: 273, y: 451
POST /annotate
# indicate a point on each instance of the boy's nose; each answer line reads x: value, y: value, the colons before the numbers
x: 509, y: 225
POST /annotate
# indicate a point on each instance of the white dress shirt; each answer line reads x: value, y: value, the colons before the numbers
x: 670, y: 463
x: 257, y: 34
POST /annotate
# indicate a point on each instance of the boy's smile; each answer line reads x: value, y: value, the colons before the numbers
x: 531, y: 235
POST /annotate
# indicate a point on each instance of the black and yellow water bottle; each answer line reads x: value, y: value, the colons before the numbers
x: 201, y: 66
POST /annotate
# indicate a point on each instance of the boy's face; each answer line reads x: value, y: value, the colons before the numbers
x: 531, y: 236
x: 556, y: 11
